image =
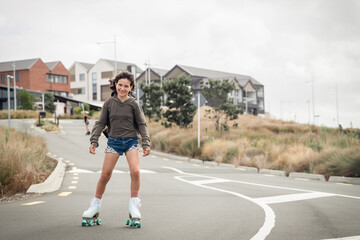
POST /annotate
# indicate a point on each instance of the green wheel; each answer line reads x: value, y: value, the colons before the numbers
x: 127, y: 222
x: 91, y: 223
x: 137, y: 224
x: 131, y: 223
x: 98, y: 222
x: 83, y: 223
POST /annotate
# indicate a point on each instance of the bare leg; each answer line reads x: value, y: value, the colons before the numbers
x: 108, y: 167
x: 133, y: 160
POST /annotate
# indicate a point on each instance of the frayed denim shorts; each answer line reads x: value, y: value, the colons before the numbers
x: 121, y: 145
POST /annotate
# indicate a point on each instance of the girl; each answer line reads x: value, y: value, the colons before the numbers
x: 124, y: 118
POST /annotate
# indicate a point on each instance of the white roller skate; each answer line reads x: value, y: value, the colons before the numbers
x: 134, y: 213
x: 90, y: 216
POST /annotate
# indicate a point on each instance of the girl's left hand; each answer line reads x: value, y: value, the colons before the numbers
x: 146, y: 151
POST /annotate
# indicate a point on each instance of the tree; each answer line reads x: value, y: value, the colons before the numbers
x: 216, y: 93
x: 26, y: 100
x: 152, y: 100
x: 180, y: 109
x: 49, y: 102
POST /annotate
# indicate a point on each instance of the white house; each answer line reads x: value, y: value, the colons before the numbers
x: 95, y: 87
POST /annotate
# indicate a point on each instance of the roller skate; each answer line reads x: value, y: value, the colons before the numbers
x: 134, y: 213
x: 91, y: 216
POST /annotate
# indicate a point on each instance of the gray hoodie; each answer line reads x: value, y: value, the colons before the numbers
x: 124, y: 119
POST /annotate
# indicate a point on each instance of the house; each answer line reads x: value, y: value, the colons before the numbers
x: 79, y: 80
x: 156, y: 75
x: 95, y: 87
x: 34, y: 74
x: 248, y: 93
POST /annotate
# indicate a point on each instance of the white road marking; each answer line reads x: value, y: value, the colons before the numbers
x: 293, y: 197
x: 72, y: 187
x: 345, y: 238
x: 200, y: 182
x: 33, y: 203
x: 74, y: 182
x: 80, y: 171
x: 269, y: 221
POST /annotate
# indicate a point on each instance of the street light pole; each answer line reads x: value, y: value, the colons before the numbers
x: 198, y: 99
x: 114, y: 42
x: 14, y: 87
x: 8, y: 89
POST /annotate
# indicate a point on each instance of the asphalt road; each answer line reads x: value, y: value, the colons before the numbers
x: 180, y: 200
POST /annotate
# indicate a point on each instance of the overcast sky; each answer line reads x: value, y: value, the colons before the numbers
x: 283, y: 44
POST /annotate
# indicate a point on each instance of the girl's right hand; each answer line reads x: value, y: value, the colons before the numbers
x: 92, y: 149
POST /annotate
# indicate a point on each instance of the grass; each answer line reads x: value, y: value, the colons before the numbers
x: 265, y: 143
x: 23, y: 161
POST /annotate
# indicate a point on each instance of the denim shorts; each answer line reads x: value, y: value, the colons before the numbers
x: 121, y: 145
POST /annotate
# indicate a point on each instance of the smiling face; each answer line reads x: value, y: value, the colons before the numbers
x: 123, y: 87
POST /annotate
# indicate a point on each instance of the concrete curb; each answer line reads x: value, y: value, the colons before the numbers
x: 350, y: 180
x: 226, y: 165
x: 292, y: 175
x: 53, y: 182
x: 273, y: 172
x: 196, y: 161
x: 210, y: 164
x: 307, y: 176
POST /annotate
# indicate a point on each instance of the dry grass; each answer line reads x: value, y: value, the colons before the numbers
x: 23, y: 161
x: 265, y: 143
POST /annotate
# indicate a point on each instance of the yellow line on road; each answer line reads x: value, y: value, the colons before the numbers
x: 74, y: 182
x: 32, y: 203
x: 302, y: 179
x: 345, y: 184
x: 64, y: 194
x: 75, y: 178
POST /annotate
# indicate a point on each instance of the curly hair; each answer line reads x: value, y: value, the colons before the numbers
x: 122, y: 74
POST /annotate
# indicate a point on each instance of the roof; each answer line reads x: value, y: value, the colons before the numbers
x: 19, y: 65
x: 159, y: 71
x: 207, y: 73
x: 122, y: 65
x: 51, y: 65
x: 88, y: 66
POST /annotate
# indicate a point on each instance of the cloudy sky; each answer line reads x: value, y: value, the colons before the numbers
x: 284, y: 44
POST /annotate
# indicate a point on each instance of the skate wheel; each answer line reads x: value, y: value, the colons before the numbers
x: 83, y: 223
x: 127, y: 222
x: 91, y: 223
x: 98, y: 222
x: 137, y: 224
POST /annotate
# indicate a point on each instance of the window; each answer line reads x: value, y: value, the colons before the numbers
x: 82, y: 76
x: 56, y: 78
x: 107, y: 74
x: 94, y: 80
x: 3, y: 78
x: 17, y: 76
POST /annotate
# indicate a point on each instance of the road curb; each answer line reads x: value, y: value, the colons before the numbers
x: 307, y: 176
x: 196, y: 161
x: 53, y: 182
x: 226, y: 165
x: 210, y: 164
x: 339, y: 179
x: 273, y: 172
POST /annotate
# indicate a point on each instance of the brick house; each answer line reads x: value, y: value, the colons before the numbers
x: 34, y: 74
